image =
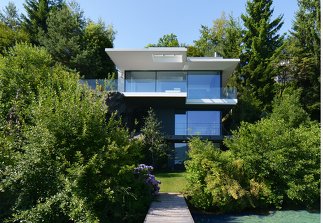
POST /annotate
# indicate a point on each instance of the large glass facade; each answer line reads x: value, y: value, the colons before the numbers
x: 198, y: 123
x: 204, y: 85
x: 140, y: 81
x: 171, y: 81
x: 197, y: 84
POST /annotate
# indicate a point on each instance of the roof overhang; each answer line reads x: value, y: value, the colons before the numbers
x: 169, y: 58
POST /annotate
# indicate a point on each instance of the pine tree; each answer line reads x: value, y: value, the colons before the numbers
x: 63, y: 39
x: 37, y: 14
x: 305, y: 51
x: 260, y: 41
x: 10, y: 16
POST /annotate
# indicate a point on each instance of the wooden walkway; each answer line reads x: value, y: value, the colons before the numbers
x: 169, y: 208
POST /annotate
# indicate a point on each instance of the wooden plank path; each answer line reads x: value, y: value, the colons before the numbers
x: 168, y: 208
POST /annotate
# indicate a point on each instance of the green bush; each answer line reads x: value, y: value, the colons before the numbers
x: 72, y: 164
x: 272, y: 163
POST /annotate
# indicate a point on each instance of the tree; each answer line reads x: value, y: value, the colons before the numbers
x: 93, y: 61
x: 224, y: 37
x: 10, y: 16
x: 9, y: 37
x: 260, y: 41
x: 63, y: 37
x: 168, y: 40
x: 37, y: 14
x: 305, y: 51
x: 78, y: 44
x: 10, y: 28
x: 154, y: 142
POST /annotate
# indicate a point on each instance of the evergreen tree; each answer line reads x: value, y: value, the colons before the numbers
x: 37, y: 14
x: 10, y: 28
x: 64, y: 35
x: 260, y: 41
x: 10, y: 16
x: 305, y: 51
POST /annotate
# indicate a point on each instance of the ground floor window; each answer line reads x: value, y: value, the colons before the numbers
x: 180, y: 153
x: 198, y: 123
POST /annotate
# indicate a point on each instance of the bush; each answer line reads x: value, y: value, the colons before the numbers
x: 72, y: 164
x: 272, y: 163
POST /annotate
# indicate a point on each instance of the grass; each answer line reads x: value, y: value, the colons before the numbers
x: 172, y: 182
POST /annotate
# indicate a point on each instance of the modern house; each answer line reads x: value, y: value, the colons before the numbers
x: 188, y: 94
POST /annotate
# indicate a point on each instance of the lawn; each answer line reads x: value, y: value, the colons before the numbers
x: 171, y: 182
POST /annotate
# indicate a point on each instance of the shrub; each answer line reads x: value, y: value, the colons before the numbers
x: 144, y: 173
x: 72, y: 164
x: 272, y: 163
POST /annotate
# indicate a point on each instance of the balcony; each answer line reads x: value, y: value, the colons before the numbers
x: 178, y: 88
x: 101, y: 84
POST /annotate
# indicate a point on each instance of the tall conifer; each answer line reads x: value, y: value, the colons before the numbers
x: 260, y: 41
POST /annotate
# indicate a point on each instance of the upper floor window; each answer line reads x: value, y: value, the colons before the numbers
x: 171, y: 81
x: 197, y: 84
x: 204, y: 84
x: 140, y: 81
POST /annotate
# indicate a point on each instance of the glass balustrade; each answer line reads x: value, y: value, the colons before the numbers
x: 101, y: 84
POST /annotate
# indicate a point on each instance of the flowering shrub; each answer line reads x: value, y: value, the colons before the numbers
x: 145, y: 171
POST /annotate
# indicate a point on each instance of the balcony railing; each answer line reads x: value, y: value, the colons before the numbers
x: 167, y: 87
x: 101, y: 84
x: 197, y: 129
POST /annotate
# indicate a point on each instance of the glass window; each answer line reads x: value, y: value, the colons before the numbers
x: 203, y: 123
x: 180, y: 124
x: 204, y: 85
x: 198, y: 123
x: 171, y: 81
x: 180, y: 153
x: 140, y: 81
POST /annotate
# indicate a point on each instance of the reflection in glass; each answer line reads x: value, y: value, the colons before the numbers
x: 180, y: 124
x: 171, y: 81
x: 198, y: 123
x: 204, y: 85
x: 180, y: 153
x: 203, y: 122
x: 140, y: 81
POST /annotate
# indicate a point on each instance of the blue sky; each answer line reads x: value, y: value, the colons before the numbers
x: 140, y: 22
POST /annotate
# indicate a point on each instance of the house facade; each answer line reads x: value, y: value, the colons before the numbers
x: 188, y: 94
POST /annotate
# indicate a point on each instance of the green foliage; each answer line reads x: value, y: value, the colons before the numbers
x: 11, y: 31
x: 93, y: 61
x: 62, y: 37
x: 304, y: 47
x: 156, y: 151
x: 21, y: 73
x: 260, y: 41
x: 272, y: 163
x: 168, y: 40
x: 37, y: 14
x: 10, y: 16
x: 224, y: 37
x: 61, y: 159
x: 78, y: 44
x: 9, y: 37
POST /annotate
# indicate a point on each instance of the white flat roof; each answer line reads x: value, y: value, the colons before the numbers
x: 169, y: 58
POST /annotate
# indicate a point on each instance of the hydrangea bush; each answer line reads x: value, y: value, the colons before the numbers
x: 145, y: 171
